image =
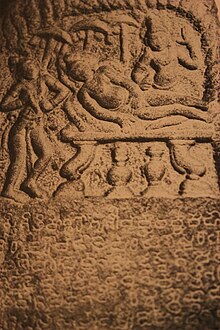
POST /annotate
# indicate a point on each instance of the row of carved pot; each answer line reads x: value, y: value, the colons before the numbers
x: 120, y: 174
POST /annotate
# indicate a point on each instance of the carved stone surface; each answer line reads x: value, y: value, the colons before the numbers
x: 111, y: 264
x: 109, y: 158
x: 80, y: 76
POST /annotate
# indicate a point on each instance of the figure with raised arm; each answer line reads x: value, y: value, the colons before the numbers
x: 28, y: 97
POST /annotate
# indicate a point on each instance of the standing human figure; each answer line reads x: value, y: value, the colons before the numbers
x: 29, y: 96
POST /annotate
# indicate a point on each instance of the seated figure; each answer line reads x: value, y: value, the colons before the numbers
x: 162, y: 54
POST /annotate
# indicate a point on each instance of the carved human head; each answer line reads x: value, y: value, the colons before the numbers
x: 158, y: 41
x: 158, y: 35
x: 81, y: 68
x: 29, y: 68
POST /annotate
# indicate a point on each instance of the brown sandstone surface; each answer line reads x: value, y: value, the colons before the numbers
x: 110, y: 165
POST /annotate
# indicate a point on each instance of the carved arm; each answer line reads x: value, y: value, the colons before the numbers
x: 61, y: 93
x: 95, y: 110
x: 11, y: 101
x: 63, y: 77
x: 142, y: 73
x: 191, y: 60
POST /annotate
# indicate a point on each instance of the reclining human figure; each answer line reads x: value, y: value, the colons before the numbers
x: 110, y: 96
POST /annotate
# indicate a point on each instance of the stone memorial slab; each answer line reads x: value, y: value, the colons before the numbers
x: 110, y: 165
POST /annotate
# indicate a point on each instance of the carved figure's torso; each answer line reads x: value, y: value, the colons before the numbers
x: 105, y: 92
x: 166, y: 65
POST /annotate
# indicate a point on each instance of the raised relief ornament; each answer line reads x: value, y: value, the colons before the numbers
x: 86, y: 80
x: 108, y: 119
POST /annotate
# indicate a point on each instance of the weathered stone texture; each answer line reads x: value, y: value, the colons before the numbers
x: 140, y: 264
x: 109, y: 165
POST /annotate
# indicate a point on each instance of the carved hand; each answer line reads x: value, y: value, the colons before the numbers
x: 136, y: 102
x: 46, y: 105
x: 12, y: 116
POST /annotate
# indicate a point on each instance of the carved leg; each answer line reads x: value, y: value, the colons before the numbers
x: 119, y: 175
x: 42, y: 147
x: 17, y: 150
x: 73, y: 169
x: 192, y: 167
x: 155, y: 171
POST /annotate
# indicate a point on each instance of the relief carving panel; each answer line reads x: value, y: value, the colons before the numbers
x: 82, y: 76
x: 109, y: 165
